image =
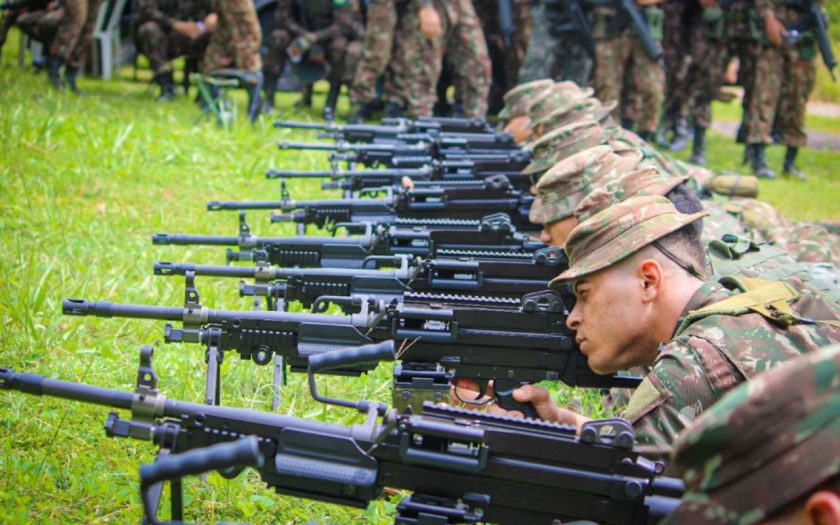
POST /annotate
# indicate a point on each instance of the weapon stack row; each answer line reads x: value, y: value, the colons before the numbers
x: 442, y: 265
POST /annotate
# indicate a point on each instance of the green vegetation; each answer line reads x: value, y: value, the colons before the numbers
x: 84, y: 182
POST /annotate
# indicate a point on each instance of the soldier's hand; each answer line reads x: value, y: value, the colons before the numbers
x: 774, y: 30
x: 211, y: 21
x: 430, y: 24
x: 190, y: 29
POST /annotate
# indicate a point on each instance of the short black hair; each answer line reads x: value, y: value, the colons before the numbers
x: 685, y: 200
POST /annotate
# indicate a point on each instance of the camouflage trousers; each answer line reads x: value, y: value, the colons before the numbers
x: 161, y: 46
x: 236, y: 40
x: 340, y: 54
x: 783, y: 82
x: 67, y: 31
x: 621, y: 62
x: 462, y: 42
x: 376, y: 54
x: 550, y: 54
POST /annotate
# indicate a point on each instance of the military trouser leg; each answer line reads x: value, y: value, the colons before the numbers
x: 153, y: 42
x: 797, y: 86
x: 766, y: 90
x: 69, y: 28
x: 611, y: 57
x: 467, y: 48
x: 85, y: 40
x: 376, y: 52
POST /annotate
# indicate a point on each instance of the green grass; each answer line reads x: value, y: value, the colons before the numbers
x: 84, y: 181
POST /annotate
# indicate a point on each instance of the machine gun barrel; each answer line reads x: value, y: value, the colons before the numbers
x: 176, y: 239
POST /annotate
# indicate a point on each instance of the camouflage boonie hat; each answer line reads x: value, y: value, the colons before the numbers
x: 648, y: 180
x: 563, y: 186
x: 554, y: 98
x: 618, y: 232
x: 553, y: 147
x: 518, y: 99
x: 764, y: 445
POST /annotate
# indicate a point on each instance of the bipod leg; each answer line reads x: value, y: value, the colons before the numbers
x: 279, y: 381
x: 213, y: 393
x: 176, y: 495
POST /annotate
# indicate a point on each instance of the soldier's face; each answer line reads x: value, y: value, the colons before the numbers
x: 518, y: 128
x: 555, y: 233
x: 612, y: 321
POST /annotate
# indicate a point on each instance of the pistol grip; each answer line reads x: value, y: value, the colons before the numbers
x: 504, y: 397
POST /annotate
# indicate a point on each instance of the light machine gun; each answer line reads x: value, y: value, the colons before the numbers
x: 460, y: 466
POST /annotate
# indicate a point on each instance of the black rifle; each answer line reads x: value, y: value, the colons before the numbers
x: 491, y: 238
x: 419, y: 279
x: 501, y: 161
x: 512, y: 347
x: 575, y: 21
x: 420, y: 203
x: 460, y: 466
x: 391, y: 128
x: 458, y: 172
x: 814, y: 20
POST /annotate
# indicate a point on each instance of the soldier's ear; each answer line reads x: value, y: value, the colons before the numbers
x: 823, y: 507
x: 650, y: 275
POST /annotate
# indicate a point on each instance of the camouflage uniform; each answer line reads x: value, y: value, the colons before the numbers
x: 462, y: 41
x: 621, y: 61
x: 766, y: 445
x: 332, y: 24
x: 786, y: 78
x: 10, y: 17
x: 376, y: 51
x: 724, y: 336
x: 552, y: 54
x: 159, y: 42
x: 236, y: 40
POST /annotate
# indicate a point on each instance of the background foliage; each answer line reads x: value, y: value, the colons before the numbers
x: 84, y: 182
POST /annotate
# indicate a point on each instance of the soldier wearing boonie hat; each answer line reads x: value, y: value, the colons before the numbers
x: 561, y: 189
x: 553, y: 147
x: 637, y: 270
x: 648, y: 180
x: 769, y: 450
x: 517, y: 102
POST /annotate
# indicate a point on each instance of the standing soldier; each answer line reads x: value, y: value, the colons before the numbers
x: 236, y: 43
x: 329, y: 27
x: 376, y: 55
x: 621, y: 60
x: 172, y: 29
x: 12, y: 13
x: 432, y: 29
x: 784, y: 78
x: 558, y: 43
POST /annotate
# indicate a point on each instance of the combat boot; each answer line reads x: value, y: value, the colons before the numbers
x: 789, y: 167
x: 332, y: 101
x: 306, y: 97
x: 167, y: 86
x: 362, y: 114
x: 54, y: 71
x: 698, y: 149
x: 70, y: 76
x: 393, y: 110
x: 270, y: 89
x: 759, y: 163
x: 680, y: 140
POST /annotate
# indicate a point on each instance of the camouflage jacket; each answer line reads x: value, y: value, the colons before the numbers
x: 715, y: 353
x: 164, y: 12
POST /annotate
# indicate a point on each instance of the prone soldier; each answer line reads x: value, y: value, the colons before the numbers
x: 171, y: 29
x: 782, y: 425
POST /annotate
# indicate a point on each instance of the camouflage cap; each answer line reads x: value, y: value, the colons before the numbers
x: 553, y: 147
x: 558, y: 117
x: 518, y: 99
x: 648, y: 180
x: 557, y: 97
x: 618, y: 232
x: 562, y: 187
x: 764, y: 445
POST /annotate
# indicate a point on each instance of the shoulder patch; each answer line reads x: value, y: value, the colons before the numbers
x: 646, y: 397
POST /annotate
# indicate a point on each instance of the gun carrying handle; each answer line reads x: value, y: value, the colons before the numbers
x: 503, y: 391
x: 244, y: 452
